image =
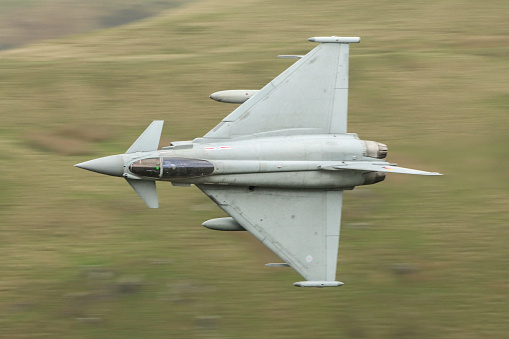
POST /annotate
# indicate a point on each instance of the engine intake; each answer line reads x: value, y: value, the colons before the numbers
x: 375, y: 149
x: 371, y: 178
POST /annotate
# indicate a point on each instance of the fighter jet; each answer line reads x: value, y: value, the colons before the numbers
x: 277, y: 165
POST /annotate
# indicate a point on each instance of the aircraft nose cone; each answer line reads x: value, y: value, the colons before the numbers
x: 111, y: 165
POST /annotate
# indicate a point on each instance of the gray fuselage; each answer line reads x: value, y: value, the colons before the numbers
x: 297, y: 161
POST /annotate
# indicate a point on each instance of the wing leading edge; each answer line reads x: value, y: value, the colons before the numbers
x: 300, y: 226
x: 311, y: 96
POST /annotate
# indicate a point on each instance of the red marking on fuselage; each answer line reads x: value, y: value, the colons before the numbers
x: 216, y: 148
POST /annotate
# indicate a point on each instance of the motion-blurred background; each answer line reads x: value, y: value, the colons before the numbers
x: 81, y: 255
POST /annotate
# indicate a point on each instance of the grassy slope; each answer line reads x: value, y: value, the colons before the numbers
x: 25, y: 21
x: 430, y: 80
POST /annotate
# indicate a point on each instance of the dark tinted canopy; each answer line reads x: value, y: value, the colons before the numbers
x: 171, y: 168
x: 185, y: 168
x: 147, y: 167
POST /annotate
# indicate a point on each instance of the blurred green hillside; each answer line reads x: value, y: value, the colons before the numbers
x: 24, y: 21
x: 420, y: 257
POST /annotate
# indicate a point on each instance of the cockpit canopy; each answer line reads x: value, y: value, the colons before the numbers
x: 171, y: 168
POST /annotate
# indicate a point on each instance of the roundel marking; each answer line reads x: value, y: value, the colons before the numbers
x: 309, y: 258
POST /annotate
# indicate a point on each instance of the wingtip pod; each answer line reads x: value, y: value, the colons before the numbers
x: 290, y: 56
x: 318, y: 284
x: 336, y: 39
